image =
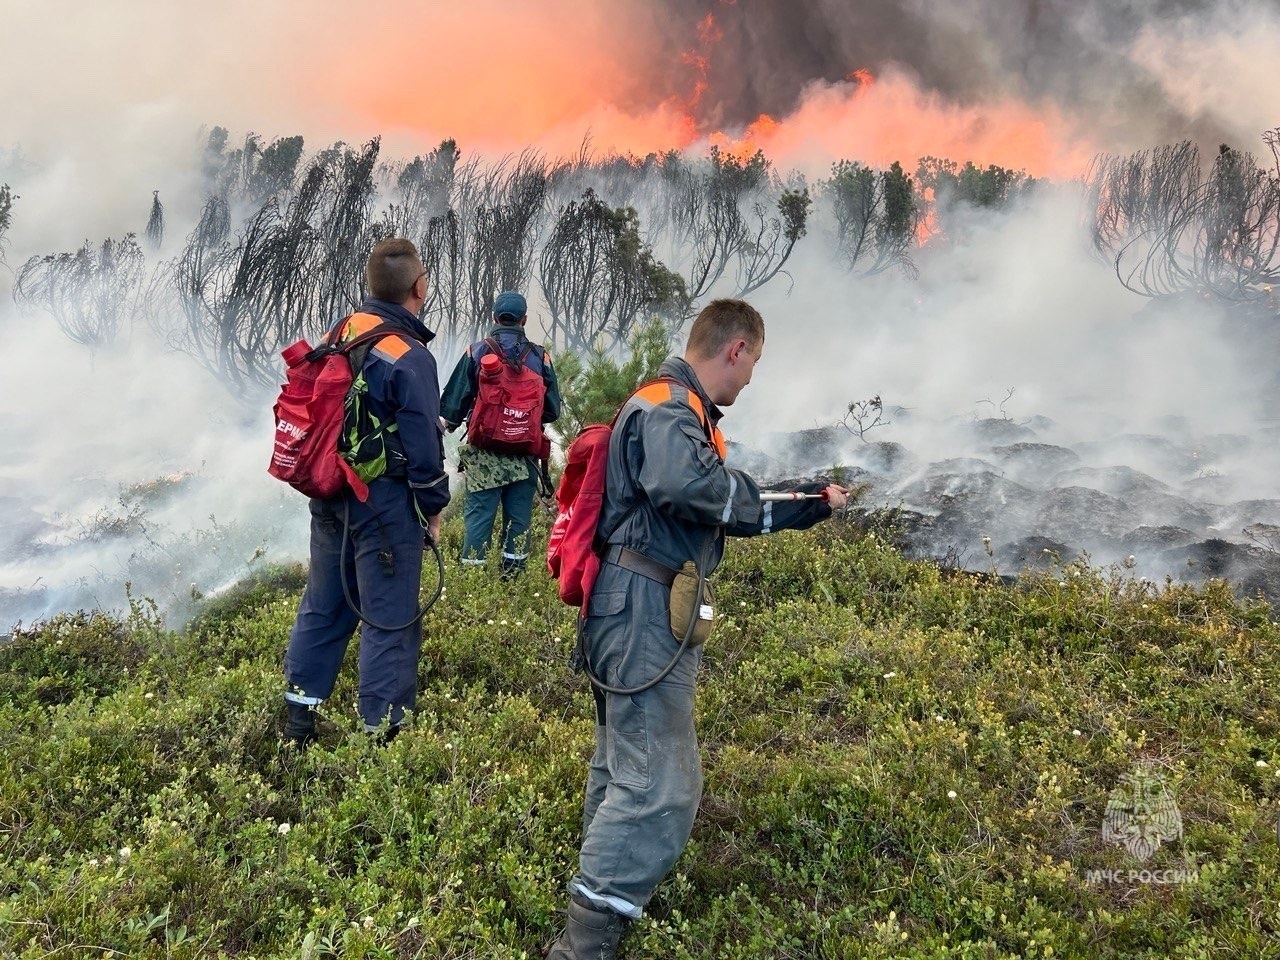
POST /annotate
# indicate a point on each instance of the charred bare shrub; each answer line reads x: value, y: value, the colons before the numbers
x: 90, y: 293
x: 420, y: 190
x: 505, y: 226
x: 344, y: 226
x: 1173, y: 225
x: 598, y: 275
x: 294, y: 268
x: 252, y: 173
x: 6, y: 214
x: 241, y: 302
x: 729, y: 218
x: 153, y: 233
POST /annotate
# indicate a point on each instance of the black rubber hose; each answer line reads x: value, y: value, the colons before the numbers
x: 665, y: 671
x: 346, y: 588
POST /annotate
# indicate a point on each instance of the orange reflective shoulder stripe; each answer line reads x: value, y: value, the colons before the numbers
x: 393, y: 347
x: 717, y: 438
x: 655, y: 393
x: 660, y: 391
x: 359, y: 323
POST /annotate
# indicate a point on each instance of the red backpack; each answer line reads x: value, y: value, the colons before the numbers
x: 507, y: 416
x: 309, y: 414
x: 571, y: 553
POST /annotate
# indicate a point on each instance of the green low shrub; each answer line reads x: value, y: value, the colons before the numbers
x: 900, y: 762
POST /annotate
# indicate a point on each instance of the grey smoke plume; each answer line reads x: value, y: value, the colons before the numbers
x: 1150, y: 69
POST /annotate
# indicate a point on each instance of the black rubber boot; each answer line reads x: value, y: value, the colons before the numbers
x: 300, y: 724
x: 510, y: 569
x: 589, y: 934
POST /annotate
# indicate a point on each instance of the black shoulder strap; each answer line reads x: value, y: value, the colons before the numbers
x: 357, y: 348
x: 495, y: 345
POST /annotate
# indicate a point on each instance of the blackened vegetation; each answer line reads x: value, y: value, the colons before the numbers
x: 598, y: 276
x: 295, y: 266
x: 730, y: 218
x: 279, y: 248
x: 153, y: 233
x: 1174, y: 225
x: 6, y: 214
x: 91, y: 292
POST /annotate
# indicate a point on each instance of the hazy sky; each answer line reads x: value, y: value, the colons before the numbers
x: 1040, y: 83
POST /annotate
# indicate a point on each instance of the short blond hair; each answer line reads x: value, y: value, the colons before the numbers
x: 394, y: 267
x: 720, y: 323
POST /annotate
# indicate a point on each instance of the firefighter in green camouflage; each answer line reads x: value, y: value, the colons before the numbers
x: 498, y: 480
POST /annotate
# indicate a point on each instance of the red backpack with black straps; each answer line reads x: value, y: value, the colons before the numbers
x: 309, y: 415
x: 571, y: 553
x: 507, y: 416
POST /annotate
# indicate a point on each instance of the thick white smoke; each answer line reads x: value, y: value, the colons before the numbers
x: 134, y: 464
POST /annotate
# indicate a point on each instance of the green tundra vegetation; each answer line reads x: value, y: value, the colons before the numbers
x: 901, y: 762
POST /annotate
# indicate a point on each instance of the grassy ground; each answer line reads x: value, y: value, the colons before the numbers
x: 900, y: 763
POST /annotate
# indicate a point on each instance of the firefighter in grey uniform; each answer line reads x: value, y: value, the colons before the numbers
x: 670, y: 499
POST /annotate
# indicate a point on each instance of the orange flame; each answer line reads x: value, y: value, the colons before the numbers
x: 709, y: 31
x: 757, y: 134
x: 862, y: 77
x: 517, y: 88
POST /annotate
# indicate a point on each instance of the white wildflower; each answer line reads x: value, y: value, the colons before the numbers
x: 1075, y: 733
x: 951, y: 794
x: 125, y: 853
x: 368, y: 923
x: 891, y: 674
x: 1261, y: 763
x: 284, y: 829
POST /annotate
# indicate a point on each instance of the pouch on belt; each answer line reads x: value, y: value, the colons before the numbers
x: 684, y: 596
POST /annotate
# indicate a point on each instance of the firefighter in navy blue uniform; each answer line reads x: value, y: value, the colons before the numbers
x: 670, y: 499
x: 498, y: 479
x: 386, y: 532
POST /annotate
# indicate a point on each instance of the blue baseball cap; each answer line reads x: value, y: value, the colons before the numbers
x: 509, y: 305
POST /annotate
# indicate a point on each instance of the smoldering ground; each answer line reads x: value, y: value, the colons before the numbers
x: 1031, y: 399
x: 133, y: 464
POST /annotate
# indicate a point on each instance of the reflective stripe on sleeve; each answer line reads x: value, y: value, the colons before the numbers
x: 728, y: 507
x: 768, y: 517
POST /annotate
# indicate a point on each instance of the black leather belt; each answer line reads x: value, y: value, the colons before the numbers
x: 639, y: 563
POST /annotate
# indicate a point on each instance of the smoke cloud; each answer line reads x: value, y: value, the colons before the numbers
x: 134, y: 463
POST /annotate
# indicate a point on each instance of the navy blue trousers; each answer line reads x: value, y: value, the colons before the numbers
x: 383, y: 573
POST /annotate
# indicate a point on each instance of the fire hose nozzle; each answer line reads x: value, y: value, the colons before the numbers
x: 779, y: 496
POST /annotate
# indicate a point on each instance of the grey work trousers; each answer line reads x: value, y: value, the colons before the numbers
x: 645, y: 779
